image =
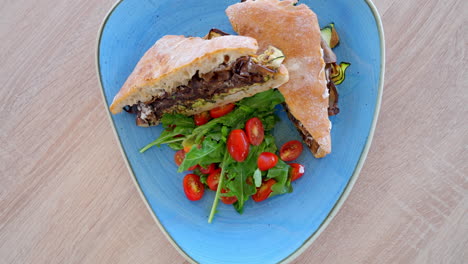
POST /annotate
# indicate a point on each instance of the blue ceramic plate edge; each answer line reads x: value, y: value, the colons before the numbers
x: 340, y: 200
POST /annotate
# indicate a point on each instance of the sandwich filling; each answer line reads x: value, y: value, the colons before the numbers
x: 227, y: 78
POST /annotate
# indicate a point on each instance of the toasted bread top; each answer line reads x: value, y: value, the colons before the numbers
x: 173, y: 60
x: 294, y: 30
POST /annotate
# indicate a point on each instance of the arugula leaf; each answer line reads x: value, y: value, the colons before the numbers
x: 270, y: 145
x: 239, y: 187
x: 176, y: 145
x: 224, y: 133
x: 269, y: 121
x: 223, y: 165
x: 211, y: 151
x: 178, y: 120
x: 177, y: 128
x: 216, y: 135
x: 281, y: 174
x: 203, y: 178
x: 263, y: 101
x: 178, y: 134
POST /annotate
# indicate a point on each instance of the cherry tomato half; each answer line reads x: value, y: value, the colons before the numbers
x: 297, y: 170
x: 291, y: 150
x: 222, y: 110
x: 266, y: 161
x: 193, y: 187
x: 202, y: 118
x: 264, y: 190
x: 213, y: 179
x: 237, y: 145
x: 228, y: 199
x: 179, y: 157
x: 254, y: 130
x: 211, y: 168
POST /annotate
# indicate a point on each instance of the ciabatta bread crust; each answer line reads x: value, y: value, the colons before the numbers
x: 173, y: 60
x: 295, y: 31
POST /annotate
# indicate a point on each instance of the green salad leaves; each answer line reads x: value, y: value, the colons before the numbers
x: 207, y: 144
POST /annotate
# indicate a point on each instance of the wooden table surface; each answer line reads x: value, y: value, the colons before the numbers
x: 66, y: 195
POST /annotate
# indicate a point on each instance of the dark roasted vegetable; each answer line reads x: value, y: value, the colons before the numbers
x: 338, y: 72
x: 214, y: 33
x: 335, y: 73
x: 332, y: 100
x: 330, y: 35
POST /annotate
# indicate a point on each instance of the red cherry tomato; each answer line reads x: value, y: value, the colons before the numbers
x: 222, y: 110
x: 228, y: 199
x: 211, y: 168
x: 193, y: 187
x: 297, y: 170
x: 237, y: 145
x: 213, y: 179
x: 266, y: 161
x: 179, y: 158
x: 202, y: 118
x: 263, y: 191
x: 254, y: 130
x: 291, y: 150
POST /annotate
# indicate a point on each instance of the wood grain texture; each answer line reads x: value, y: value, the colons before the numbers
x: 66, y: 195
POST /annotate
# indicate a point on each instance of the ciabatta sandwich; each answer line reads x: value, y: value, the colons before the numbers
x: 293, y: 29
x: 190, y: 75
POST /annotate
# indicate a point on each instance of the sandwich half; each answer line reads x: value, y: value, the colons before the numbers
x: 190, y: 75
x: 294, y: 29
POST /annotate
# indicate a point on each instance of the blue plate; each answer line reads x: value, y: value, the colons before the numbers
x: 277, y: 229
